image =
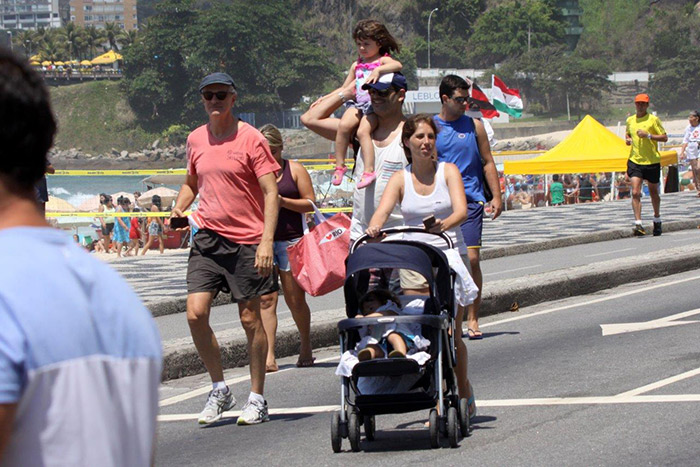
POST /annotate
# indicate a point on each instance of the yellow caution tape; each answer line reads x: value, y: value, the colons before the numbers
x: 100, y: 173
x: 151, y: 214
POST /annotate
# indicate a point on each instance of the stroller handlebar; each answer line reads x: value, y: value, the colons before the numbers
x: 402, y: 229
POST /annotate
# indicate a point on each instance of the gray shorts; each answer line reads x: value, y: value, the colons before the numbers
x: 219, y: 264
x: 365, y: 107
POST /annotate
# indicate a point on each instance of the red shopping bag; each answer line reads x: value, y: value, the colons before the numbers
x: 318, y: 259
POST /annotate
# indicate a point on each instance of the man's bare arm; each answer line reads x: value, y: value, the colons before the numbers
x: 7, y: 420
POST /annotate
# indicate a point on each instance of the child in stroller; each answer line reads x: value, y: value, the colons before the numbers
x: 400, y: 338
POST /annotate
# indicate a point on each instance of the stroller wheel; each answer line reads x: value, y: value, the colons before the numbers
x: 354, y: 431
x: 434, y: 423
x: 336, y: 439
x: 369, y: 427
x: 452, y: 427
x: 464, y: 417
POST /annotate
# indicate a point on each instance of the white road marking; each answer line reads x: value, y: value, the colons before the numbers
x: 609, y: 252
x: 621, y: 328
x: 535, y: 402
x: 660, y: 384
x: 589, y: 302
x: 231, y: 382
x: 512, y: 270
x: 235, y: 413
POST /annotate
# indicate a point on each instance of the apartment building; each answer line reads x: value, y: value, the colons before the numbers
x: 29, y: 14
x: 98, y: 12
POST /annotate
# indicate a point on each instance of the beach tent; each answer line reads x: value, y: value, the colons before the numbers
x: 106, y: 58
x: 590, y: 148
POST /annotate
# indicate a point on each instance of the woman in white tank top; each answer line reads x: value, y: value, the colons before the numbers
x: 424, y: 188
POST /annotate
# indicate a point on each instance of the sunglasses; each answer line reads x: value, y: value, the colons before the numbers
x: 461, y: 100
x: 382, y: 93
x: 221, y: 95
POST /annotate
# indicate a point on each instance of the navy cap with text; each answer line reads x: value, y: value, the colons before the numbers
x: 396, y: 79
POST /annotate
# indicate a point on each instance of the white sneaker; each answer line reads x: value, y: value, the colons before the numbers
x: 216, y: 405
x: 254, y: 412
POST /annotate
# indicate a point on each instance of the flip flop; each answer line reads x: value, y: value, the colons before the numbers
x: 474, y: 335
x: 306, y: 363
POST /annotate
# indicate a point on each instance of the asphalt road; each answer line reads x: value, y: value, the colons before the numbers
x: 556, y: 384
x: 224, y: 317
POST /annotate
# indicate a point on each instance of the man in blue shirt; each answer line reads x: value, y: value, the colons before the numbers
x: 463, y: 142
x: 80, y: 356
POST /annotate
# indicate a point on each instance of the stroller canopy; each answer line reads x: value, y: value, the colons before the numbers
x: 399, y: 254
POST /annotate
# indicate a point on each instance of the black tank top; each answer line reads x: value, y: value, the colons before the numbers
x: 289, y: 224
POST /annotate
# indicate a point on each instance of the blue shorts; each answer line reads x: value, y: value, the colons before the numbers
x: 280, y: 253
x: 472, y: 227
x: 365, y: 107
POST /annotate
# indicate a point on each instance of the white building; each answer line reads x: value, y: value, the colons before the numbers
x: 29, y: 14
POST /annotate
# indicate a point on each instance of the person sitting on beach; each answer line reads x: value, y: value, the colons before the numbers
x: 375, y: 304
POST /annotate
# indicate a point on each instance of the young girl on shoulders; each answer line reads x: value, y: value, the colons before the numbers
x: 374, y: 43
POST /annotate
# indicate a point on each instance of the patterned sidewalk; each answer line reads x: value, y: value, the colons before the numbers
x: 160, y: 279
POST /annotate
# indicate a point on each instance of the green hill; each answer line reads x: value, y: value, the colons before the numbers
x: 96, y: 117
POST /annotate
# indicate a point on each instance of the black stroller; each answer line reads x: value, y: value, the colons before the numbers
x: 435, y: 385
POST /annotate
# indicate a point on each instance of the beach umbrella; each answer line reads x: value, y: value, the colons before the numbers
x: 45, y: 63
x: 106, y: 58
x: 116, y: 196
x: 34, y: 63
x: 35, y: 58
x: 167, y: 196
x: 91, y: 204
x: 59, y: 205
x: 59, y: 63
x: 86, y: 63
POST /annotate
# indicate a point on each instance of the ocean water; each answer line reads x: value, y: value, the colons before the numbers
x: 77, y: 189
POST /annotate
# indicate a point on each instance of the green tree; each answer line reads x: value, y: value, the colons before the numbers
x: 273, y: 66
x: 514, y: 27
x: 675, y: 86
x: 93, y: 38
x: 583, y: 81
x: 127, y: 38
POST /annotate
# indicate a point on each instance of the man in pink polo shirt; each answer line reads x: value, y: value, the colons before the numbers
x: 230, y: 166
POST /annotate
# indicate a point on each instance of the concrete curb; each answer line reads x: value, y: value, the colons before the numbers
x: 497, y: 298
x: 179, y: 304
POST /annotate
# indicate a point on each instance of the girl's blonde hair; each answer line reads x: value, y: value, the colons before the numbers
x: 273, y: 135
x: 371, y: 29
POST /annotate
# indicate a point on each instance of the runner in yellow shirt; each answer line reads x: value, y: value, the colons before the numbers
x: 644, y: 132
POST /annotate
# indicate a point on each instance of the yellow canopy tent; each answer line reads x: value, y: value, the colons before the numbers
x: 590, y: 148
x: 106, y: 58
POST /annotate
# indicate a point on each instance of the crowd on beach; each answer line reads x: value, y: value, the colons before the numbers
x: 428, y: 172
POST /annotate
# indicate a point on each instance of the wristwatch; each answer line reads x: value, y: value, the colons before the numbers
x: 648, y: 135
x: 342, y: 97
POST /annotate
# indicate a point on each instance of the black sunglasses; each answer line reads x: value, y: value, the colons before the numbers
x: 221, y: 95
x: 461, y: 100
x: 382, y: 93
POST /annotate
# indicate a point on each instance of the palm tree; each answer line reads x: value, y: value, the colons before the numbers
x: 111, y: 33
x: 26, y: 39
x: 50, y: 49
x: 127, y: 38
x: 73, y: 36
x: 93, y: 37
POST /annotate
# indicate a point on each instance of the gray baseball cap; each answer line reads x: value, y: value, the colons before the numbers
x: 216, y: 78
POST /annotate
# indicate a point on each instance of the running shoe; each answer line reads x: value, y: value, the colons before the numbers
x: 366, y: 180
x: 338, y: 175
x: 253, y: 412
x: 216, y: 405
x: 638, y: 230
x: 657, y: 229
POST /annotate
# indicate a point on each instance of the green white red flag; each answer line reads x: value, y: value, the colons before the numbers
x: 505, y: 99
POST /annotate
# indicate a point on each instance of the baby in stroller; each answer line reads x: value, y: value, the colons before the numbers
x: 399, y: 338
